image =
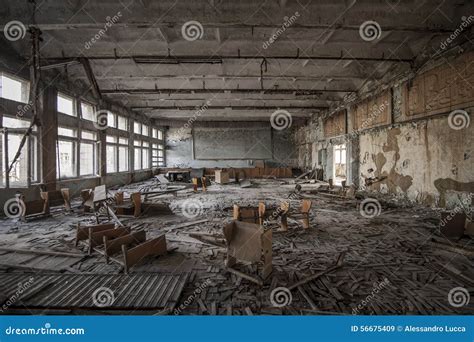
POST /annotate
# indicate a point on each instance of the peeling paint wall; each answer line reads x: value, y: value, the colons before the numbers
x: 406, y: 138
x: 425, y: 161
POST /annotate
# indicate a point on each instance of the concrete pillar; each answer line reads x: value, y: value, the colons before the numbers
x: 48, y: 135
x: 101, y: 136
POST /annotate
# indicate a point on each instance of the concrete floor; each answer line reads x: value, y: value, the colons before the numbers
x: 391, y: 266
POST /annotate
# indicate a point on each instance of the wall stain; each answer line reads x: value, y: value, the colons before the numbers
x: 445, y: 184
x: 394, y: 180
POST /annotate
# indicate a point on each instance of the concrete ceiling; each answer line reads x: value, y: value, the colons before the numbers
x: 144, y: 62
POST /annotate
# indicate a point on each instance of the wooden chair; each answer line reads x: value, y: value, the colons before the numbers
x: 304, y: 214
x: 250, y: 214
x: 56, y: 198
x: 132, y: 256
x: 134, y: 205
x: 249, y: 242
x: 196, y: 184
x: 32, y: 209
x: 114, y: 245
x: 85, y: 232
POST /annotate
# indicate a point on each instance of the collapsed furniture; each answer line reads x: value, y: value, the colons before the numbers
x: 57, y: 198
x: 41, y: 208
x: 199, y: 182
x: 131, y: 206
x: 136, y: 207
x: 252, y: 243
x: 303, y: 215
x: 262, y: 215
x: 221, y: 176
x: 250, y: 214
x: 109, y: 240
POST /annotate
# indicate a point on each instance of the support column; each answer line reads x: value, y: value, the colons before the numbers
x: 48, y: 135
x: 102, y: 154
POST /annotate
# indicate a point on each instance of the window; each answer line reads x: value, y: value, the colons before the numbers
x: 25, y: 169
x: 157, y: 155
x: 123, y: 158
x: 117, y: 154
x: 122, y: 123
x: 339, y: 165
x: 66, y: 153
x: 67, y: 132
x: 111, y: 120
x: 123, y: 154
x: 111, y: 158
x: 87, y: 111
x: 157, y: 134
x: 145, y: 130
x: 66, y: 105
x: 87, y: 154
x: 137, y: 127
x: 88, y: 135
x: 13, y: 88
x: 141, y: 153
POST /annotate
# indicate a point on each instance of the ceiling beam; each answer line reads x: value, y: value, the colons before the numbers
x: 140, y: 108
x: 240, y: 25
x: 220, y: 90
x: 92, y: 81
x: 157, y: 59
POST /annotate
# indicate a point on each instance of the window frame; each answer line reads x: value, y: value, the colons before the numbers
x: 73, y: 100
x: 25, y: 93
x: 75, y: 153
x: 32, y: 148
x: 117, y: 144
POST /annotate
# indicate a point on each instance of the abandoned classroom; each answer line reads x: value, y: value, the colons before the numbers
x: 236, y: 158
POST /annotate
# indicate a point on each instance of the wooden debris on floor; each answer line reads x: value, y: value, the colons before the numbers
x: 152, y: 292
x: 47, y: 260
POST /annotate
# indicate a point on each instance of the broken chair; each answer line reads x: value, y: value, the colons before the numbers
x: 252, y: 243
x: 250, y: 214
x: 132, y: 206
x: 56, y: 198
